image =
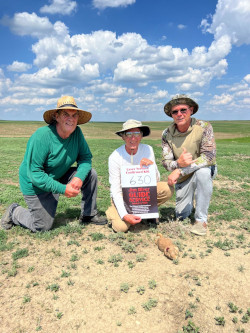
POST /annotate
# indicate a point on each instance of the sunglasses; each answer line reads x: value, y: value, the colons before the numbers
x: 182, y: 111
x: 130, y: 134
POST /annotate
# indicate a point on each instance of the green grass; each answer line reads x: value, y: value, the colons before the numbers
x: 228, y: 213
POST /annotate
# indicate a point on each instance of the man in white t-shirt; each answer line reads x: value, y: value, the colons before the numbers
x: 131, y: 153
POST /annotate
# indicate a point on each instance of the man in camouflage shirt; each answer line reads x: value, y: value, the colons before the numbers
x: 189, y: 151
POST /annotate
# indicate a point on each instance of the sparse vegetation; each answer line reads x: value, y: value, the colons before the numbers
x: 73, y: 267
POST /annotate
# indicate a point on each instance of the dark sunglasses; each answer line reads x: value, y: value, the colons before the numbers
x: 182, y: 111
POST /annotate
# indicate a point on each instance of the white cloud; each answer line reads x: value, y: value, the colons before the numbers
x: 5, y: 83
x: 102, y: 4
x: 67, y: 72
x: 238, y: 87
x: 221, y: 100
x: 18, y: 66
x: 247, y: 78
x: 246, y: 101
x: 174, y: 64
x: 233, y: 100
x: 181, y: 26
x: 108, y: 89
x: 104, y: 68
x: 83, y: 56
x: 127, y: 58
x: 231, y: 18
x: 63, y: 7
x: 111, y: 100
x: 243, y: 93
x: 28, y: 24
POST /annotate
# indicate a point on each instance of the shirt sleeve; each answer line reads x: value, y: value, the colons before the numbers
x: 168, y: 160
x: 84, y: 158
x: 115, y: 184
x: 37, y: 153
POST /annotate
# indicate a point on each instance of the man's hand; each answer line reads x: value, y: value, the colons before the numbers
x: 76, y: 183
x: 145, y: 162
x: 70, y: 191
x: 185, y: 159
x: 131, y: 219
x: 173, y: 177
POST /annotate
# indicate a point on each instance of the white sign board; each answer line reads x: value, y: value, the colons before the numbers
x: 139, y: 188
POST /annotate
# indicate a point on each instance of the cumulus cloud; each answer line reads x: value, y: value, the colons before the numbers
x: 63, y: 7
x: 68, y: 72
x: 221, y: 100
x: 128, y: 58
x: 247, y: 78
x: 18, y: 66
x: 234, y: 98
x: 102, y: 4
x: 231, y: 18
x: 28, y: 24
x: 194, y: 69
x: 24, y: 24
x: 108, y: 65
x: 5, y: 83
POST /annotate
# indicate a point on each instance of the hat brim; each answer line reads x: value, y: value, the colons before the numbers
x: 84, y: 116
x: 145, y: 130
x: 182, y: 100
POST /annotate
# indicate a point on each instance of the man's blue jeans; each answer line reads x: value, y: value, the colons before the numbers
x: 42, y: 207
x: 199, y: 187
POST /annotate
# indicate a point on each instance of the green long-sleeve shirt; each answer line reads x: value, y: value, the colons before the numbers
x: 48, y: 157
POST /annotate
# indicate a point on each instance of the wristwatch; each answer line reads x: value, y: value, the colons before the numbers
x: 181, y: 172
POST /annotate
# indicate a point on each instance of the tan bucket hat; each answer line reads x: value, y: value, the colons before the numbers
x: 69, y: 103
x: 180, y: 99
x: 131, y: 123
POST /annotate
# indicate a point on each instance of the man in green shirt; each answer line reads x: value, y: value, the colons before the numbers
x: 46, y: 170
x: 189, y: 152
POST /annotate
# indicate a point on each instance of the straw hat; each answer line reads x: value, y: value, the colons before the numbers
x: 131, y: 123
x: 68, y: 103
x: 180, y: 99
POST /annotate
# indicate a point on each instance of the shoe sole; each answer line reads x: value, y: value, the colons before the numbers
x: 198, y: 233
x: 4, y: 224
x: 99, y: 223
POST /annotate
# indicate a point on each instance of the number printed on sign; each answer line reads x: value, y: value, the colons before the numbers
x: 134, y: 176
x: 140, y: 180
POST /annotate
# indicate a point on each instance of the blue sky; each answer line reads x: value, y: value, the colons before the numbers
x: 124, y: 59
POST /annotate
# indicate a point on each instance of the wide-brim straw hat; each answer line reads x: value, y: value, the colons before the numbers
x: 130, y: 124
x: 67, y: 103
x: 180, y: 99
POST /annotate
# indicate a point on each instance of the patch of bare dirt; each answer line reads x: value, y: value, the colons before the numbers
x: 9, y: 182
x: 89, y: 296
x: 229, y: 184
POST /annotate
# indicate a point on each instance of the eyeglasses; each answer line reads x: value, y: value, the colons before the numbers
x: 182, y: 111
x: 130, y: 134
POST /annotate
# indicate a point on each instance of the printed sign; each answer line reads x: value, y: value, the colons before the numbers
x: 140, y: 191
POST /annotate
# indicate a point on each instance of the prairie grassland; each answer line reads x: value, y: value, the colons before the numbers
x: 102, y: 130
x: 85, y: 278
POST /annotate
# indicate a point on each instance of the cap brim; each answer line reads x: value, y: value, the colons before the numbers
x: 84, y: 116
x: 145, y: 130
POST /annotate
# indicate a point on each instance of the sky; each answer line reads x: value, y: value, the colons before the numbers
x: 123, y: 59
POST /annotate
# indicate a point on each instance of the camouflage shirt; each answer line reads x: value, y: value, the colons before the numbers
x: 198, y: 140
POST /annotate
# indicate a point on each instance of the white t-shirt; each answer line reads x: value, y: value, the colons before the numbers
x: 118, y: 158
